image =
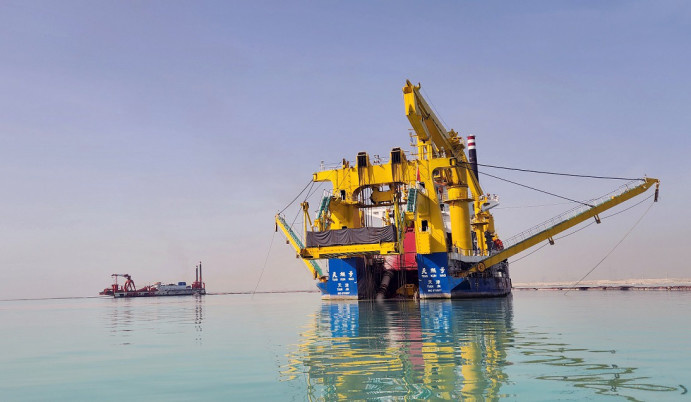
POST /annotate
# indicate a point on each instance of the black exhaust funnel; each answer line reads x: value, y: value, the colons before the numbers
x: 472, y: 156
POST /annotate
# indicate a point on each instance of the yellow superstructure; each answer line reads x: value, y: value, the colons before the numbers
x: 431, y: 194
x: 438, y: 174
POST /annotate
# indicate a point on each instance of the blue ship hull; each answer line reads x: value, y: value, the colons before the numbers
x: 350, y: 278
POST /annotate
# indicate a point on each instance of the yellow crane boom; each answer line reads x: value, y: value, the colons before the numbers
x: 429, y: 127
x: 298, y: 245
x: 548, y: 232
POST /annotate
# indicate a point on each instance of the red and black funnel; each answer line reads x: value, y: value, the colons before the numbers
x: 472, y: 156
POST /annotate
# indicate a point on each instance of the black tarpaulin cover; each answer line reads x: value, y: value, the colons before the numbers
x: 343, y: 237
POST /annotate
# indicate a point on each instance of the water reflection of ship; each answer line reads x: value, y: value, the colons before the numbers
x: 120, y: 320
x: 435, y: 349
x: 129, y: 316
x: 198, y: 317
x: 441, y: 350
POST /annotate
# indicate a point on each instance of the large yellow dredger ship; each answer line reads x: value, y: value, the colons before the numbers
x: 419, y: 224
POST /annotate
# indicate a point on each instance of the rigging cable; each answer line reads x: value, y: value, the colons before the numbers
x: 581, y: 228
x: 311, y: 193
x: 296, y: 197
x: 434, y: 109
x: 537, y: 189
x: 264, y: 267
x: 555, y: 173
x: 296, y: 218
x: 576, y: 231
x: 614, y: 248
x: 530, y: 253
x: 533, y: 206
x: 300, y: 209
x: 626, y: 209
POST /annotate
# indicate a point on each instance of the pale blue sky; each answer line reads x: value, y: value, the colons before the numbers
x: 140, y: 137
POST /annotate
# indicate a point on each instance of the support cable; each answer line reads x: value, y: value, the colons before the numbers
x: 538, y: 190
x: 264, y: 267
x: 555, y: 173
x: 295, y: 219
x: 581, y: 228
x: 606, y: 217
x: 533, y: 206
x: 296, y: 197
x: 311, y: 193
x: 612, y: 250
x: 434, y: 109
x: 634, y: 205
x: 576, y: 231
x: 530, y: 253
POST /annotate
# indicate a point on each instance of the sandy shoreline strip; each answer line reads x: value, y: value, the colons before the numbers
x: 625, y: 284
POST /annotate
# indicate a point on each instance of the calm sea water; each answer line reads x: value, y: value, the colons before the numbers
x: 532, y: 346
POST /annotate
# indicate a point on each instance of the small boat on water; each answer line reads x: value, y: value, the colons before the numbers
x: 128, y: 289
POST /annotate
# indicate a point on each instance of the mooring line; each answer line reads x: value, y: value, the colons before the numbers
x: 264, y: 267
x: 612, y: 250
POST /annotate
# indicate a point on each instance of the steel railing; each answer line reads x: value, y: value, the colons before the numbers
x: 564, y: 216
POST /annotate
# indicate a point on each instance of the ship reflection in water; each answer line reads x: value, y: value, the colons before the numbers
x: 460, y: 349
x: 131, y: 320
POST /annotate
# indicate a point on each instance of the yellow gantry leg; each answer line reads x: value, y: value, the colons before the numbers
x: 459, y: 214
